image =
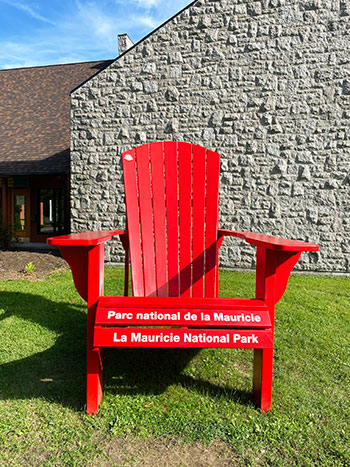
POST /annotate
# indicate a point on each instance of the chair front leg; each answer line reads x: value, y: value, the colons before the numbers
x: 273, y: 269
x: 262, y: 378
x: 94, y: 379
x: 94, y: 354
x: 87, y: 265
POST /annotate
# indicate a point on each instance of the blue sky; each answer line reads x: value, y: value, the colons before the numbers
x: 45, y: 32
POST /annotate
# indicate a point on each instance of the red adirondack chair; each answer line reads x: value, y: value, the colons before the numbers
x: 173, y: 241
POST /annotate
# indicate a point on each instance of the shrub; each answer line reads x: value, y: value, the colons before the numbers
x: 8, y: 238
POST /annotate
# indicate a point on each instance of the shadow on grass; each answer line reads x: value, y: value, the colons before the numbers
x: 58, y: 373
x: 150, y: 371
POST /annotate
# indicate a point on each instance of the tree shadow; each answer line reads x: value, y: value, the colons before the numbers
x: 58, y: 374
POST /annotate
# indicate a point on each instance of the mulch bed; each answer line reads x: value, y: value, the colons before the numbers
x: 13, y: 264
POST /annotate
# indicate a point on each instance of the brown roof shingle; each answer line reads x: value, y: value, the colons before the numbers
x: 35, y: 116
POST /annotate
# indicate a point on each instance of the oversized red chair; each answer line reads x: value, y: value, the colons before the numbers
x: 173, y: 240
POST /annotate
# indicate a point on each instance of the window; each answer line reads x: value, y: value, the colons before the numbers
x: 52, y: 211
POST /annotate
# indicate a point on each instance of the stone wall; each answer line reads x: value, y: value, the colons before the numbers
x: 264, y: 83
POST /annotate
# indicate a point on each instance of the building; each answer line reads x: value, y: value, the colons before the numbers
x: 35, y: 147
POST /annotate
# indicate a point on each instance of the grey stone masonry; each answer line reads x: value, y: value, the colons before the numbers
x: 264, y: 83
x: 124, y: 43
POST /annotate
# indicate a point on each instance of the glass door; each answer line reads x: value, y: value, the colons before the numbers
x: 52, y: 211
x: 20, y: 215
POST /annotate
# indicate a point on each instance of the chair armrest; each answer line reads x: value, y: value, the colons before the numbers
x: 276, y: 257
x: 84, y: 252
x: 270, y: 242
x: 84, y: 238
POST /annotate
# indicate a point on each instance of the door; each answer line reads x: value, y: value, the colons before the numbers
x: 20, y: 212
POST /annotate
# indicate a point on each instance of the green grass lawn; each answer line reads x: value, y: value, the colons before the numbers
x: 190, y: 395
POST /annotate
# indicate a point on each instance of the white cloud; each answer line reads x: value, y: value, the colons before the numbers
x: 147, y: 3
x: 27, y: 9
x: 146, y: 21
x: 158, y: 6
x: 92, y: 19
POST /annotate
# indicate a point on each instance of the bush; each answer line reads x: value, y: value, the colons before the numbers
x: 8, y: 238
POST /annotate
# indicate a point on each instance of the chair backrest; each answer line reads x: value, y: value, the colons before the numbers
x: 171, y: 192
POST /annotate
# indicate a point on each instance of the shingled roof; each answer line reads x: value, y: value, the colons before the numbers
x: 35, y: 116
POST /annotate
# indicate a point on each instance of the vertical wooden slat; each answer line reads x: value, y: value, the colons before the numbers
x: 132, y: 207
x: 171, y: 184
x: 185, y: 197
x: 211, y: 230
x: 158, y: 191
x: 146, y: 218
x: 198, y: 225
